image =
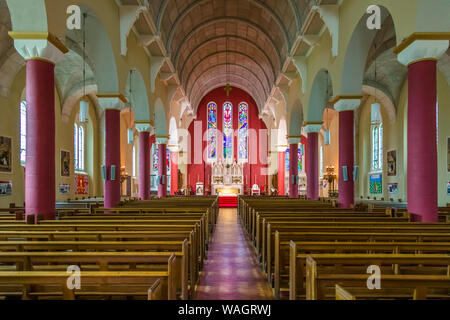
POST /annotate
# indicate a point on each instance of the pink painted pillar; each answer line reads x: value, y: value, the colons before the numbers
x: 281, y: 172
x: 346, y: 159
x: 312, y: 176
x: 144, y: 165
x: 422, y: 151
x: 162, y: 170
x: 40, y: 156
x: 173, y: 172
x: 112, y: 157
x: 293, y: 170
x: 421, y: 58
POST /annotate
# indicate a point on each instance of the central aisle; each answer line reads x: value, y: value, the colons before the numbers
x: 231, y: 271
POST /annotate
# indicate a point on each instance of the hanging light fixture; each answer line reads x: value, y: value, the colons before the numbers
x: 375, y: 110
x: 130, y: 131
x: 327, y: 135
x: 84, y: 105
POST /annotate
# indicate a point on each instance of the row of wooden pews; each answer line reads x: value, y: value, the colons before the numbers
x: 306, y: 248
x: 141, y: 250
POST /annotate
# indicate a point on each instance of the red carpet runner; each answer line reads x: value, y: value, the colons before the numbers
x: 228, y: 202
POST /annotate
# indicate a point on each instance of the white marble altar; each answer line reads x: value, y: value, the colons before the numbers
x: 227, y: 178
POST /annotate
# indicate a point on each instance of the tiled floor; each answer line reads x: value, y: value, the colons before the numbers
x: 231, y: 271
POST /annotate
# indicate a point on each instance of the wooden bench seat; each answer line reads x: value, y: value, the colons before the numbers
x: 100, y: 261
x: 354, y: 263
x: 405, y: 293
x: 286, y: 251
x: 53, y: 284
x: 320, y: 283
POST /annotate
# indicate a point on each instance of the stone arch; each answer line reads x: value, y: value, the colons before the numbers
x: 296, y: 119
x: 136, y: 94
x: 356, y: 53
x: 322, y: 90
x: 160, y: 119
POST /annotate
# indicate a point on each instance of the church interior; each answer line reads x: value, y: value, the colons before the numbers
x: 224, y: 150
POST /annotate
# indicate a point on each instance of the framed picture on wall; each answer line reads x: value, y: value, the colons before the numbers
x: 376, y: 184
x: 5, y: 154
x: 64, y: 188
x: 5, y: 188
x: 392, y: 188
x: 391, y: 163
x: 65, y: 163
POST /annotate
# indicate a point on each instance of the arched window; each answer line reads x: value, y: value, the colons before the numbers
x: 377, y: 138
x: 23, y: 132
x: 243, y: 131
x: 79, y: 142
x: 227, y: 131
x: 212, y: 131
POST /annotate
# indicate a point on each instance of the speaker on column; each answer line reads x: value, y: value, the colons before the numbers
x: 113, y: 172
x: 344, y: 173
x: 103, y: 169
x: 355, y: 173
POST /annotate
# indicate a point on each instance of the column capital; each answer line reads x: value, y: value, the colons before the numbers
x: 161, y: 139
x: 346, y: 102
x: 38, y: 45
x: 293, y: 139
x: 311, y: 127
x: 422, y: 46
x: 111, y: 101
x: 142, y: 126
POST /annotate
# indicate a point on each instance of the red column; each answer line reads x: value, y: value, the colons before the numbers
x: 421, y: 58
x: 293, y: 170
x: 162, y: 170
x: 144, y: 165
x: 112, y: 157
x: 174, y: 172
x: 422, y: 150
x: 346, y: 159
x: 40, y: 156
x: 312, y: 175
x: 281, y: 173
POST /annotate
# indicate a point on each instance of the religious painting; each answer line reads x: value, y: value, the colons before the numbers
x: 64, y: 188
x: 81, y: 184
x: 5, y: 188
x: 392, y: 163
x: 375, y: 184
x: 5, y: 154
x: 448, y: 154
x: 65, y: 163
x: 392, y: 188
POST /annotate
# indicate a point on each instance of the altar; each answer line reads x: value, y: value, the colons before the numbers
x: 227, y: 179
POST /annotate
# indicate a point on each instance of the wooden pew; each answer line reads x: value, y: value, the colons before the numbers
x: 318, y: 281
x: 289, y: 251
x: 35, y: 284
x: 100, y: 261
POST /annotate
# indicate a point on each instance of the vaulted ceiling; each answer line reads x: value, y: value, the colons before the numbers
x: 215, y: 42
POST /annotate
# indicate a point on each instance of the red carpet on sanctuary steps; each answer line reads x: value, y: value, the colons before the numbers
x: 228, y: 202
x: 231, y: 271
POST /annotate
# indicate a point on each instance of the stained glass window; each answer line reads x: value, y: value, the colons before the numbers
x: 227, y: 130
x: 23, y: 131
x: 243, y: 131
x: 78, y: 141
x: 300, y: 158
x: 155, y: 157
x: 377, y: 137
x: 212, y: 131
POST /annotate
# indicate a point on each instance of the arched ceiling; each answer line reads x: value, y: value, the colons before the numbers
x: 215, y: 42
